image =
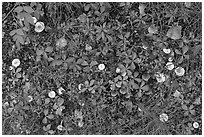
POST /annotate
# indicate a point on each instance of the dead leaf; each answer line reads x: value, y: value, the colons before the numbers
x: 174, y: 32
x: 188, y: 4
x: 141, y: 9
x: 153, y: 29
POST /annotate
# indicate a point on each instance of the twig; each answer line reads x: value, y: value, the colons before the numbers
x: 9, y: 12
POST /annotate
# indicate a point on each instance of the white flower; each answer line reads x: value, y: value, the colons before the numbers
x: 30, y: 98
x: 39, y: 27
x: 179, y: 71
x: 167, y: 51
x: 88, y: 47
x: 160, y: 77
x: 60, y: 91
x: 163, y: 117
x: 51, y: 94
x: 169, y: 65
x: 16, y: 62
x: 117, y: 70
x: 34, y: 19
x: 101, y: 66
x: 195, y: 125
x: 61, y: 43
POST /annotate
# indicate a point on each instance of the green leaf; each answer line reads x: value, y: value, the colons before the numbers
x: 50, y: 116
x: 185, y: 49
x: 134, y: 85
x: 28, y: 9
x: 13, y: 32
x: 18, y: 75
x: 59, y: 111
x: 19, y: 39
x: 18, y: 9
x: 86, y: 8
x: 47, y: 101
x: 60, y: 101
x: 70, y: 59
x: 83, y: 90
x: 58, y: 62
x: 45, y: 55
x: 29, y: 18
x: 145, y: 88
x: 18, y: 70
x: 85, y: 63
x: 93, y: 63
x: 46, y: 112
x: 21, y: 15
x: 184, y: 107
x: 49, y: 49
x: 39, y: 52
x: 44, y: 120
x: 92, y: 82
x: 20, y: 32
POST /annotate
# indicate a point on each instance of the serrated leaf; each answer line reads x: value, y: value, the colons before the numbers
x: 18, y: 75
x: 18, y: 70
x: 48, y: 126
x: 59, y: 111
x: 28, y: 9
x: 86, y: 8
x: 20, y: 32
x: 79, y: 61
x: 29, y: 18
x: 18, y: 9
x: 39, y: 52
x: 44, y: 120
x: 50, y: 116
x: 185, y: 49
x: 20, y: 39
x: 50, y: 59
x: 85, y: 63
x: 184, y: 107
x: 45, y: 112
x: 13, y: 32
x: 92, y: 82
x: 60, y: 101
x: 45, y: 55
x: 21, y: 15
x: 58, y: 62
x: 83, y: 90
x: 93, y: 63
x: 47, y: 101
x: 49, y: 49
x: 145, y: 88
x: 70, y: 59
